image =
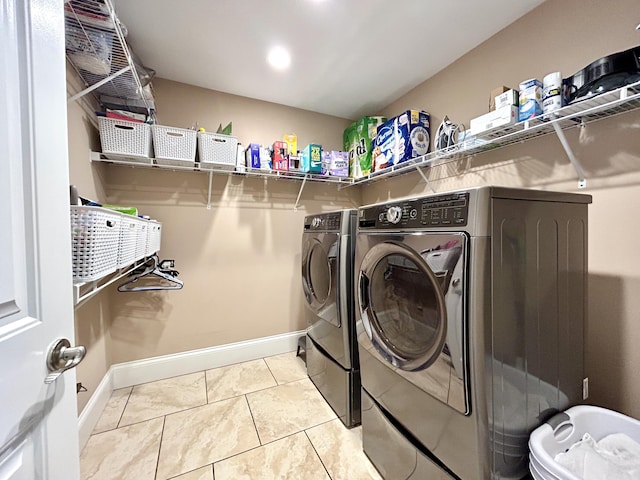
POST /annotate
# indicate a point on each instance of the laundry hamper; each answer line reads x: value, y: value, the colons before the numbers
x: 565, y: 429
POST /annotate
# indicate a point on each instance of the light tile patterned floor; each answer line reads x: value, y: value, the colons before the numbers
x: 262, y: 419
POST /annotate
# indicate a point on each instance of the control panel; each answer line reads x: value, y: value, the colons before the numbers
x: 449, y: 210
x: 323, y: 221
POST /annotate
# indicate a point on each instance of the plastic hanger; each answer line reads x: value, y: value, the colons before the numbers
x: 161, y: 275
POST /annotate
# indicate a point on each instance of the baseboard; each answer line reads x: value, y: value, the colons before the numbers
x: 91, y: 412
x: 151, y: 369
x: 166, y: 366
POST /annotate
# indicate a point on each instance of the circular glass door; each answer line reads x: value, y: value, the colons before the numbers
x: 319, y: 274
x: 402, y: 306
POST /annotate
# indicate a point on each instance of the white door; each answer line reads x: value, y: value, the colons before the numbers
x: 38, y: 422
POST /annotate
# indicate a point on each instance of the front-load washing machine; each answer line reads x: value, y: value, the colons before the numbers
x: 327, y: 282
x: 471, y: 323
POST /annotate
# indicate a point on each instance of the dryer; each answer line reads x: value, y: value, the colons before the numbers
x: 471, y: 311
x: 327, y: 282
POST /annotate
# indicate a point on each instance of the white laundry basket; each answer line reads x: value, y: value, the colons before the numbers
x: 565, y: 429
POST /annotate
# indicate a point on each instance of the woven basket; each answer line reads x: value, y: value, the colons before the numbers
x: 95, y: 236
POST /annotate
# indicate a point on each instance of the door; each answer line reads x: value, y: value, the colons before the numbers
x: 320, y: 253
x: 38, y: 424
x: 410, y: 298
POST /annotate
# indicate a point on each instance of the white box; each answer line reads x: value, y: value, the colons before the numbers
x: 510, y: 97
x: 498, y: 118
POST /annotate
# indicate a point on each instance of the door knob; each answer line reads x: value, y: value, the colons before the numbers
x: 62, y: 356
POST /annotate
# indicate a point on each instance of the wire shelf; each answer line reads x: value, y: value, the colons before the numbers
x: 598, y: 107
x: 290, y: 175
x: 97, y: 50
x: 605, y: 105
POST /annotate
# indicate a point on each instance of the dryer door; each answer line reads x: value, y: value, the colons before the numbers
x: 320, y: 274
x: 410, y: 298
x: 402, y: 306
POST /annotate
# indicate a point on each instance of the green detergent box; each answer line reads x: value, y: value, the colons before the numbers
x: 357, y: 139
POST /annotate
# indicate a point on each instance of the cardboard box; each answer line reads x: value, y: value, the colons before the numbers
x: 493, y: 94
x: 404, y: 137
x: 311, y: 159
x: 530, y: 99
x: 252, y: 156
x: 357, y: 141
x: 498, y: 118
x: 335, y: 164
x: 265, y: 158
x: 510, y: 97
x: 279, y: 158
x: 291, y: 139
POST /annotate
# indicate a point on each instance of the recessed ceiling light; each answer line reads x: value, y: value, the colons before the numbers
x: 279, y: 58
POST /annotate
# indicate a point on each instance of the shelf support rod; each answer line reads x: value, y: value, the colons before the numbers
x: 295, y: 207
x: 424, y: 177
x: 90, y: 89
x: 582, y: 182
x: 79, y: 298
x: 209, y: 193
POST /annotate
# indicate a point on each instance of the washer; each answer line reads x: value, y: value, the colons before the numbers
x: 327, y: 282
x: 471, y: 310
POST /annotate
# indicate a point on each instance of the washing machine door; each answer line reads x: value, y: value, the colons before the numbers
x: 402, y: 305
x: 320, y: 274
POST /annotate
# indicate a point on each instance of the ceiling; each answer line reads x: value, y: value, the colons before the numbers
x: 349, y: 58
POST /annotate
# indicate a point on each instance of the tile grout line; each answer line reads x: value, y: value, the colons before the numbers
x: 259, y: 446
x: 206, y: 387
x: 269, y: 368
x: 317, y: 454
x: 125, y: 407
x: 164, y: 419
x: 253, y: 419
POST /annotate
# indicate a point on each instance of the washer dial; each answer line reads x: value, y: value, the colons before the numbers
x: 394, y: 214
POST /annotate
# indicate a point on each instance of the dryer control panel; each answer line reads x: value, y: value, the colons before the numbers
x: 448, y: 210
x: 327, y: 222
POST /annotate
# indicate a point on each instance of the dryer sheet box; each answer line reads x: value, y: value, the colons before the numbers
x: 335, y: 164
x: 401, y: 138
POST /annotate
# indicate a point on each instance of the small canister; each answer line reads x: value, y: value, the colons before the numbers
x: 551, y: 92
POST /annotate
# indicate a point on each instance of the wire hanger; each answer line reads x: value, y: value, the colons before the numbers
x: 157, y: 275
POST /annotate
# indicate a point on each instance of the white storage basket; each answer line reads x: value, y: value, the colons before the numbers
x: 174, y: 146
x: 128, y: 239
x: 153, y: 237
x: 142, y: 232
x: 565, y: 429
x: 95, y: 235
x: 217, y: 151
x: 122, y: 140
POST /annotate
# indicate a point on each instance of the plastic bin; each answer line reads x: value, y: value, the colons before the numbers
x: 217, y: 151
x: 565, y: 429
x: 95, y: 235
x: 142, y: 233
x: 153, y: 237
x: 174, y: 146
x: 122, y: 140
x: 128, y: 239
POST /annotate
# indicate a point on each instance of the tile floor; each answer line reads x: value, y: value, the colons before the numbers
x: 262, y: 419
